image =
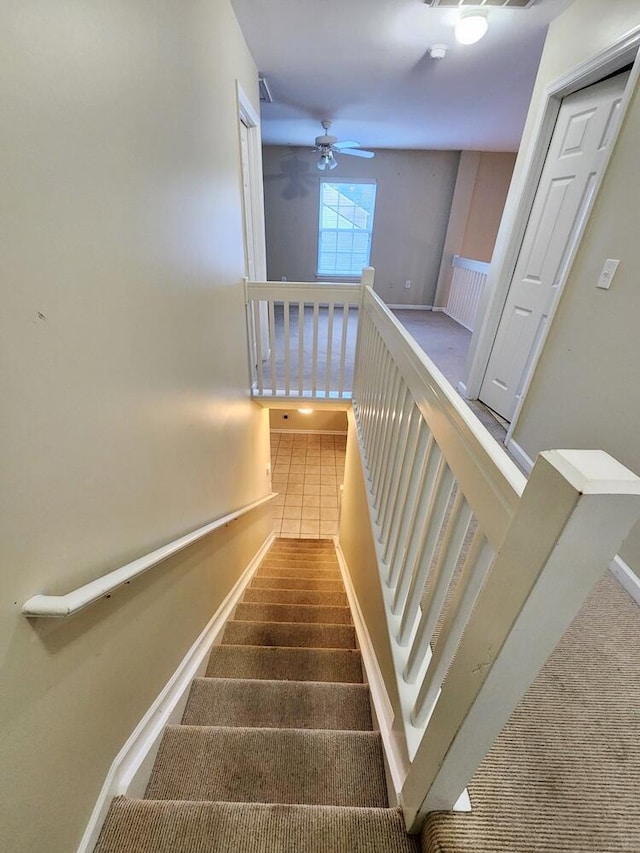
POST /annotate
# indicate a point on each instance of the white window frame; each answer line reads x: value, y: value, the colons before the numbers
x: 331, y: 179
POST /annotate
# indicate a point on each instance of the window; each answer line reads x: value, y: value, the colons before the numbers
x: 346, y: 223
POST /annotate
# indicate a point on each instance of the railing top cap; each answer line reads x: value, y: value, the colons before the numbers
x: 594, y: 472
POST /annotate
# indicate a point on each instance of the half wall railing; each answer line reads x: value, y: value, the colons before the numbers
x: 467, y: 287
x: 311, y: 332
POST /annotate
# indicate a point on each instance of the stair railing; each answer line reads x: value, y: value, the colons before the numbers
x: 465, y: 294
x: 311, y: 332
x: 481, y: 571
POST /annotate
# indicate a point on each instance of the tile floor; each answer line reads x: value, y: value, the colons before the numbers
x: 307, y: 473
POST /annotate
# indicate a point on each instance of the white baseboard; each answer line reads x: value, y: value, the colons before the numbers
x: 398, y: 764
x: 131, y: 768
x: 395, y: 307
x: 439, y: 308
x: 626, y: 576
x: 462, y: 390
x: 397, y: 761
x: 523, y: 458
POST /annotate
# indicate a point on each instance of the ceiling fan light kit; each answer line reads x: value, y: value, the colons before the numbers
x: 326, y: 162
x: 328, y: 146
x: 471, y: 26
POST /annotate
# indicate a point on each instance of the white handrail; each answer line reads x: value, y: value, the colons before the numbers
x: 470, y: 264
x: 57, y: 606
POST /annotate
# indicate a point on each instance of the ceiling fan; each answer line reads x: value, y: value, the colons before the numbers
x: 328, y: 146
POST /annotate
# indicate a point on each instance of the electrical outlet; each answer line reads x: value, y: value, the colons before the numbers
x: 407, y: 284
x: 390, y: 285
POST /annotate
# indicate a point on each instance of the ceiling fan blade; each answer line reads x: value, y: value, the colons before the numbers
x: 356, y: 152
x: 349, y: 144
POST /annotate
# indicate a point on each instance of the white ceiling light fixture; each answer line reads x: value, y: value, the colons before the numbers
x: 438, y: 51
x: 327, y: 146
x: 326, y: 161
x: 471, y: 26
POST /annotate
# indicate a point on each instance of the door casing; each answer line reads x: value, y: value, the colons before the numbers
x: 617, y: 56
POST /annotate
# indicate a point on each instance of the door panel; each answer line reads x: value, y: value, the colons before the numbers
x: 583, y: 133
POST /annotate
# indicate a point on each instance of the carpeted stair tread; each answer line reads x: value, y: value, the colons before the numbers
x: 269, y: 765
x: 302, y: 554
x: 301, y: 559
x: 278, y: 704
x: 311, y: 613
x: 298, y: 556
x: 295, y: 596
x: 321, y: 584
x: 165, y: 826
x: 285, y: 540
x: 290, y: 664
x: 289, y: 634
x: 301, y: 563
x: 287, y: 571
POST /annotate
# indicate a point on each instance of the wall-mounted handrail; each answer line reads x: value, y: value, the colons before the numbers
x: 56, y: 606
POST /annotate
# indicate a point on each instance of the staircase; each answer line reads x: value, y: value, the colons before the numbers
x: 276, y: 752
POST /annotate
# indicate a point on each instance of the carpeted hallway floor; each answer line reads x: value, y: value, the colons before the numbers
x: 276, y: 752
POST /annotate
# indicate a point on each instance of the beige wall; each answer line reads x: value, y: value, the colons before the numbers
x: 584, y: 391
x: 487, y: 204
x: 126, y: 414
x: 321, y: 419
x: 356, y: 541
x: 482, y: 184
x: 414, y: 191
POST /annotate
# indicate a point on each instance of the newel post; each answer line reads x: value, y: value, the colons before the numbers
x: 576, y: 509
x: 366, y: 280
x: 368, y: 275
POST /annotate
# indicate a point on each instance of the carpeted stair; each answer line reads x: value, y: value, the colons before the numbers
x: 276, y: 752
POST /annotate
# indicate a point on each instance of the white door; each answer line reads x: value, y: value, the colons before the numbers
x: 249, y: 212
x: 254, y: 244
x: 583, y: 132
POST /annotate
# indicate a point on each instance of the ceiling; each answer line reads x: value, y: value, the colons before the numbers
x: 364, y: 64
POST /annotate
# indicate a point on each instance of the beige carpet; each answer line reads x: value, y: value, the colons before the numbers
x: 165, y: 827
x: 276, y: 751
x: 563, y: 776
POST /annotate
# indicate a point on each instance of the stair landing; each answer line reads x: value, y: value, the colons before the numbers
x: 563, y: 775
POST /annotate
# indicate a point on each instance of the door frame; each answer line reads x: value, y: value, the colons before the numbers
x: 251, y: 120
x: 253, y: 221
x: 622, y: 52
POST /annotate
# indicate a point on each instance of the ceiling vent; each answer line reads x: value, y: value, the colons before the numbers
x: 265, y: 92
x: 488, y: 4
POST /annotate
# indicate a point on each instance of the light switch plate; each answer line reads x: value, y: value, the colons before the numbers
x: 607, y: 274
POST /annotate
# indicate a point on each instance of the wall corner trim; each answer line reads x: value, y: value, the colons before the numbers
x: 398, y: 766
x: 131, y: 768
x: 627, y: 578
x: 523, y: 458
x: 396, y: 306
